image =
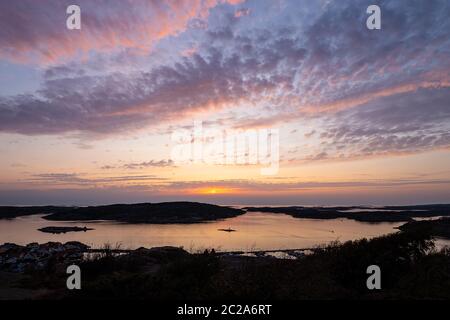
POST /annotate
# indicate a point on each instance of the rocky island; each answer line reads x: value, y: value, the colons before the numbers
x: 58, y: 230
x: 157, y: 213
x: 361, y: 213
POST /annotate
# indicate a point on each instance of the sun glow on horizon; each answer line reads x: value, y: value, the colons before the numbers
x: 213, y: 191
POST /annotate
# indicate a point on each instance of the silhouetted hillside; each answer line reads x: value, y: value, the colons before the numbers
x: 436, y: 228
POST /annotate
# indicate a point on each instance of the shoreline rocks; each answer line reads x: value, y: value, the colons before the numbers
x: 34, y: 256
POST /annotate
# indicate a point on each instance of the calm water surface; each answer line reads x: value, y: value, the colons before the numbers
x: 254, y: 231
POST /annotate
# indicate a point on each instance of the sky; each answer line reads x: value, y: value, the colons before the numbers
x: 353, y: 116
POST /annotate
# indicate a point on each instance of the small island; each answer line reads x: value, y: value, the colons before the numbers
x: 58, y: 230
x: 227, y: 230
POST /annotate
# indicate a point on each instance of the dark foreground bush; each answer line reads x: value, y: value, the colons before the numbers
x: 411, y: 269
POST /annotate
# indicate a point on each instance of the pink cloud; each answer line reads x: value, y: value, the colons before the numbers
x: 32, y: 31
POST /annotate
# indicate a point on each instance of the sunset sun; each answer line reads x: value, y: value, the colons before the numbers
x: 212, y: 191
